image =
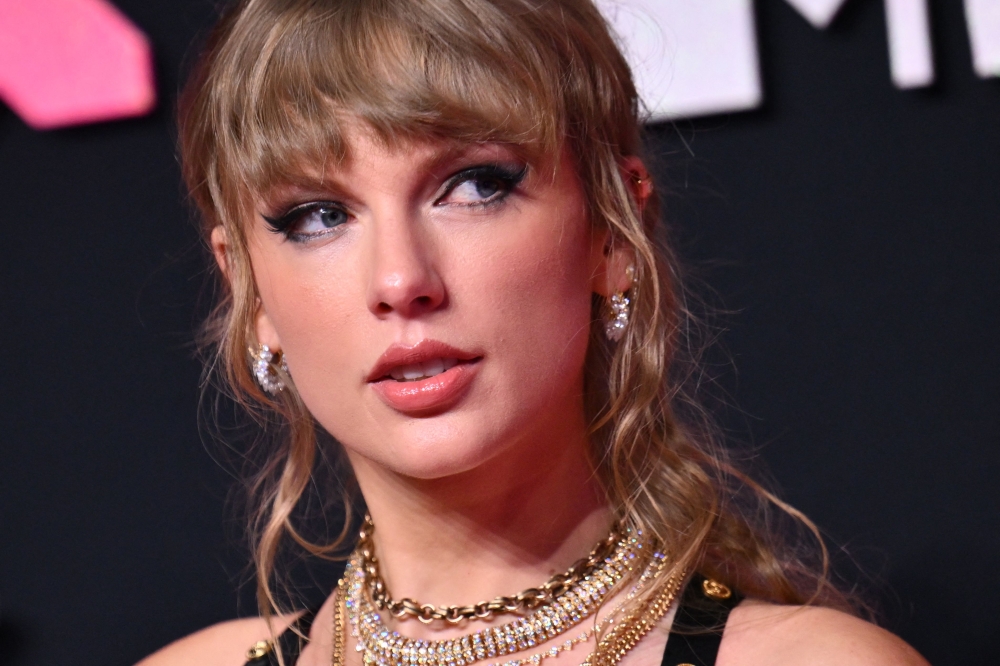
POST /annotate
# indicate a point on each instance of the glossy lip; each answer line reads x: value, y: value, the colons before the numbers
x: 426, y: 396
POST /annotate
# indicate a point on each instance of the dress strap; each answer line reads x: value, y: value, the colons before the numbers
x: 263, y: 653
x: 698, y: 625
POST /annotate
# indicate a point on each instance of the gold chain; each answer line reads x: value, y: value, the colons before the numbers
x: 338, y: 656
x: 611, y: 648
x: 383, y: 647
x: 528, y: 599
x: 651, y: 574
x: 609, y: 651
x: 626, y: 635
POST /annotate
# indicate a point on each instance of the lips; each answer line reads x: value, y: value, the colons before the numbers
x: 425, y: 378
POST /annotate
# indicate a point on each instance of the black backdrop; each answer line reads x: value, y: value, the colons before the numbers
x: 852, y: 229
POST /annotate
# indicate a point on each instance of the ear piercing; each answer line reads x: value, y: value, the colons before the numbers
x: 262, y: 366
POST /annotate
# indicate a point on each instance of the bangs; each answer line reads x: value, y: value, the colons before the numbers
x: 308, y: 71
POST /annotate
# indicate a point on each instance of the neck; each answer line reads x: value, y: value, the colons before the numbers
x: 494, y: 530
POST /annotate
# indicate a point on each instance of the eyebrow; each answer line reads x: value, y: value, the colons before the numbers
x: 323, y: 183
x: 296, y: 190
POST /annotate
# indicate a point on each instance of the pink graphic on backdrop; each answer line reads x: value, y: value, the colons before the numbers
x: 69, y: 62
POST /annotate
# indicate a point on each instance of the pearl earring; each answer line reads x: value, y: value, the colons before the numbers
x: 267, y: 376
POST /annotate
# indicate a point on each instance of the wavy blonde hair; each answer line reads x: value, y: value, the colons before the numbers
x: 270, y: 96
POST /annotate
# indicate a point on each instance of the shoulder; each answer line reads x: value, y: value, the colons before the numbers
x: 223, y: 644
x: 764, y: 633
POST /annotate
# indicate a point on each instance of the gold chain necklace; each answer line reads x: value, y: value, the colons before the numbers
x: 383, y: 647
x: 339, y: 651
x: 533, y: 597
x: 622, y: 637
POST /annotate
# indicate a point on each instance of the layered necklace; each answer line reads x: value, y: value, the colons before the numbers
x: 545, y: 613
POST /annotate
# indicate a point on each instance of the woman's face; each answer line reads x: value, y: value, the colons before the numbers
x: 433, y: 301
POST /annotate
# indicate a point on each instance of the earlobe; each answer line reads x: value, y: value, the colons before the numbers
x: 620, y: 271
x: 615, y: 284
x: 264, y: 328
x: 617, y: 268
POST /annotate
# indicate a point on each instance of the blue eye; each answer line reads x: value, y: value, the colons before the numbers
x: 308, y: 220
x: 477, y: 189
x: 482, y: 185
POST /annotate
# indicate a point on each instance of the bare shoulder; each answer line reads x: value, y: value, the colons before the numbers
x: 223, y: 644
x: 763, y: 633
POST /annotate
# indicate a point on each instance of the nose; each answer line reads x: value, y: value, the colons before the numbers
x: 404, y: 278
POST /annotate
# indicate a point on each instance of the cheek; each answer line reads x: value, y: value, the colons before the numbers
x: 540, y: 300
x: 314, y: 309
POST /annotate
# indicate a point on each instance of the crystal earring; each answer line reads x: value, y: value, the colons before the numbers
x: 615, y: 327
x: 267, y: 376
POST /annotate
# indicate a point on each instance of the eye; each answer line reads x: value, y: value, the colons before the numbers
x: 308, y: 220
x: 481, y: 185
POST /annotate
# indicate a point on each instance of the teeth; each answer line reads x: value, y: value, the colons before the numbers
x: 433, y: 367
x: 416, y: 371
x: 411, y: 372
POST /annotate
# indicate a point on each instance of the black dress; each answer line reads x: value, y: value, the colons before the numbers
x: 694, y: 637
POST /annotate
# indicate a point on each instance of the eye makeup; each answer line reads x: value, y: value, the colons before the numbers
x: 479, y: 186
x: 492, y: 183
x: 308, y: 220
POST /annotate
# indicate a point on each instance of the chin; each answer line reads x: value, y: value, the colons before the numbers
x: 431, y: 449
x: 433, y: 467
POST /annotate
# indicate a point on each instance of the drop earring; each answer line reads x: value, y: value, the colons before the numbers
x: 615, y: 327
x: 620, y: 305
x: 263, y: 369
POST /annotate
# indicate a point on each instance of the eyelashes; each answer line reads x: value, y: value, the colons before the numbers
x: 308, y: 219
x: 481, y: 186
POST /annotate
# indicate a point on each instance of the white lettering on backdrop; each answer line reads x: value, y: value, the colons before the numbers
x: 697, y: 57
x: 690, y: 57
x: 818, y: 12
x: 983, y: 17
x: 910, y: 56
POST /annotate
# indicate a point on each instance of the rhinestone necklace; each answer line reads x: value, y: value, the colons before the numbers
x: 651, y: 573
x: 383, y: 647
x: 621, y: 638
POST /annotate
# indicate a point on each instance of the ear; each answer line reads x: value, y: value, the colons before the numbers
x: 263, y: 327
x: 219, y: 242
x: 615, y: 265
x: 637, y: 178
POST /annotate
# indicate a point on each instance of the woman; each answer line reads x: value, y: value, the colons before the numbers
x: 436, y: 238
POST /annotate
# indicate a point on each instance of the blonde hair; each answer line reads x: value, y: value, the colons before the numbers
x: 270, y: 97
